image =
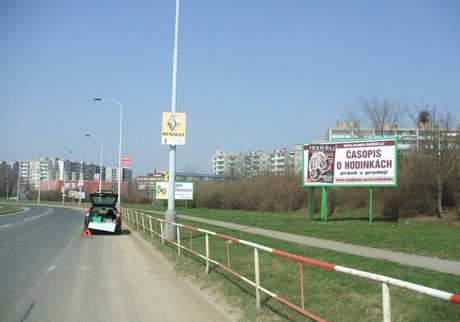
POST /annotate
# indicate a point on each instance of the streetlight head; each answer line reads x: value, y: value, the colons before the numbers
x: 70, y: 151
x: 88, y: 135
x: 98, y: 99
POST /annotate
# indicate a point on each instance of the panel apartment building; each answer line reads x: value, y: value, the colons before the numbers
x: 279, y: 161
x: 30, y: 173
x: 282, y: 161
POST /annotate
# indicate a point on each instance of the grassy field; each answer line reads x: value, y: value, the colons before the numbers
x: 330, y: 295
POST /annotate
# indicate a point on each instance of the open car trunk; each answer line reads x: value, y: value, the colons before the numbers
x: 105, y: 226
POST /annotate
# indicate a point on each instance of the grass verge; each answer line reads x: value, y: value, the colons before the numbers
x: 330, y: 295
x: 422, y: 236
x: 6, y: 208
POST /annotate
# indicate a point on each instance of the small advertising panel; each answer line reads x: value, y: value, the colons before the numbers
x: 126, y: 161
x: 183, y: 190
x: 173, y: 128
x: 76, y: 194
x: 350, y: 163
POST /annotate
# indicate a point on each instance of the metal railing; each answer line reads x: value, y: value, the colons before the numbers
x: 157, y: 226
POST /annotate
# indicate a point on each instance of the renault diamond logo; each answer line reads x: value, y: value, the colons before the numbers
x: 173, y: 122
x: 173, y: 128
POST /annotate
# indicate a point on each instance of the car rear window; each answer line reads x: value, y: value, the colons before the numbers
x: 104, y: 200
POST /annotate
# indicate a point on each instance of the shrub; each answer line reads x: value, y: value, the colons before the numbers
x: 266, y: 193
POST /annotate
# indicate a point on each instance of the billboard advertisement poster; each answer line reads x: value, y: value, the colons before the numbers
x: 371, y: 162
x: 76, y: 194
x: 321, y: 163
x: 183, y: 190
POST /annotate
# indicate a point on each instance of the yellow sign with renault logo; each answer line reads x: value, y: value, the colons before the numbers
x: 173, y: 128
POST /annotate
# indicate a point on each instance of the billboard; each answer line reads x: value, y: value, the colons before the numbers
x: 370, y: 162
x: 76, y: 194
x: 183, y: 190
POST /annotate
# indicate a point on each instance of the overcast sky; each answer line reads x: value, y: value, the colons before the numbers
x: 253, y: 74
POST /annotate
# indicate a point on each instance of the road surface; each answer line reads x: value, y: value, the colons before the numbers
x: 49, y: 272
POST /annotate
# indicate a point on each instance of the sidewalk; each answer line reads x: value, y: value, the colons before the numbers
x: 432, y: 263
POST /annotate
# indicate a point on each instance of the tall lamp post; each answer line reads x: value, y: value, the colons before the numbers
x: 80, y: 177
x: 7, y: 189
x: 171, y: 214
x: 19, y: 186
x: 39, y: 182
x: 100, y: 170
x: 63, y: 186
x: 119, y: 173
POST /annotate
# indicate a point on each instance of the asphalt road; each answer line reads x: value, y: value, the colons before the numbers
x: 49, y: 272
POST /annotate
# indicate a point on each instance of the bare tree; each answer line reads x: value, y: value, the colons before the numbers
x: 437, y: 155
x: 354, y: 122
x: 382, y: 114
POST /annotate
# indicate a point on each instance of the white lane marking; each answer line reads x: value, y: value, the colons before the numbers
x: 50, y: 210
x: 51, y: 268
x: 38, y: 216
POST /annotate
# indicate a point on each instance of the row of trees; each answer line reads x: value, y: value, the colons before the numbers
x: 429, y: 173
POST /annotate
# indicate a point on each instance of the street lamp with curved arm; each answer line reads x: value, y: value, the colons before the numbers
x: 102, y: 148
x: 119, y: 174
x: 80, y: 183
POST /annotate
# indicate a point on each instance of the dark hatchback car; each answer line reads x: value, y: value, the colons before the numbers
x: 103, y: 210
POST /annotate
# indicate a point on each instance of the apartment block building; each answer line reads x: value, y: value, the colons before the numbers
x: 147, y: 182
x: 278, y: 161
x: 409, y: 138
x: 30, y: 173
x: 281, y: 161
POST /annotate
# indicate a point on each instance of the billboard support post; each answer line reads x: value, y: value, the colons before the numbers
x: 371, y: 204
x: 312, y: 203
x: 324, y: 203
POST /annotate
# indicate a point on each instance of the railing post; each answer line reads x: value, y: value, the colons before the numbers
x: 207, y: 253
x: 178, y: 240
x: 143, y: 222
x: 302, y: 292
x: 150, y: 225
x: 257, y: 276
x: 386, y: 306
x: 162, y: 232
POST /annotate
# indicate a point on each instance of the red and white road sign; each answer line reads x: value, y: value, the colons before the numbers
x: 125, y: 161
